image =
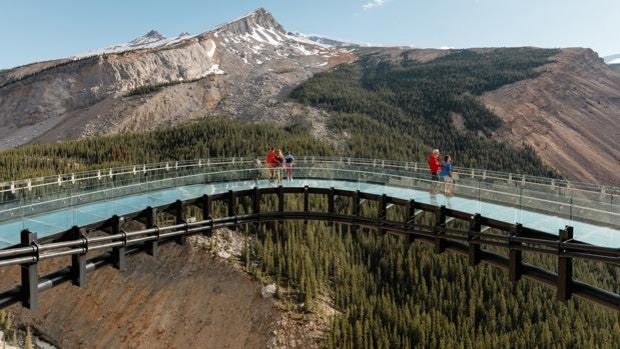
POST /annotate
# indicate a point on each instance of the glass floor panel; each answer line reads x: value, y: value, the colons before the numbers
x: 56, y: 221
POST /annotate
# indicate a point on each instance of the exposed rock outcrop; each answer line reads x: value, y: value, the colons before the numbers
x: 242, y: 69
x: 570, y: 115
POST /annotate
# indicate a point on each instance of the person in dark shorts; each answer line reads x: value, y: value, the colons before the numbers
x: 446, y: 175
x: 434, y: 166
x: 288, y: 165
x: 257, y: 169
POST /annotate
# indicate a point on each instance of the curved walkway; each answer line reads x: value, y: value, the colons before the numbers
x: 56, y: 217
x: 49, y: 223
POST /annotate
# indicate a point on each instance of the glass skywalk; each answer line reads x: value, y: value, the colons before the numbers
x: 53, y: 222
x: 49, y: 205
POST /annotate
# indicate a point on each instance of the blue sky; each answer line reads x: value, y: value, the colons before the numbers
x: 39, y: 30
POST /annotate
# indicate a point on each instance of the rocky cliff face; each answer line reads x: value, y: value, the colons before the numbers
x: 242, y: 69
x: 570, y: 115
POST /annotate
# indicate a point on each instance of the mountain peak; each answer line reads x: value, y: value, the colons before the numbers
x: 246, y: 24
x: 154, y: 34
x: 148, y: 38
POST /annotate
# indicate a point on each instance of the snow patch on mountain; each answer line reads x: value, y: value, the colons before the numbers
x: 152, y: 39
x: 214, y: 70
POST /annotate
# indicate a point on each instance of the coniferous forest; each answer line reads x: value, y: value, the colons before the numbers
x: 402, y: 109
x: 388, y: 292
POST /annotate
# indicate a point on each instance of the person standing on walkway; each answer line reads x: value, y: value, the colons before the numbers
x: 446, y: 175
x: 279, y: 163
x: 257, y: 169
x: 271, y: 162
x: 288, y: 165
x: 434, y: 166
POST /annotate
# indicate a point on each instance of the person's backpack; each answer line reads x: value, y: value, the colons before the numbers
x: 288, y: 159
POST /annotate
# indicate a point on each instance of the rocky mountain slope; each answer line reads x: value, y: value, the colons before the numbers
x: 242, y: 68
x: 185, y: 298
x: 570, y: 115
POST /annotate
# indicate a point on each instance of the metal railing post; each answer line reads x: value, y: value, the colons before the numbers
x: 179, y: 213
x: 515, y: 257
x: 151, y: 222
x: 119, y: 260
x: 565, y: 266
x: 29, y: 274
x: 78, y: 261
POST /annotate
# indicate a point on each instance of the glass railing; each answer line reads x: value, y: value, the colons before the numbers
x: 580, y: 202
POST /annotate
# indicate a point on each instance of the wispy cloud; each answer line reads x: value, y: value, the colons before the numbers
x: 372, y: 4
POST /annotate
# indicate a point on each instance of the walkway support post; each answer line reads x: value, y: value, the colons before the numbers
x: 410, y: 220
x: 280, y: 207
x: 280, y: 198
x: 206, y: 212
x: 306, y: 202
x: 382, y: 213
x: 151, y: 222
x: 472, y: 238
x: 179, y: 213
x: 565, y: 266
x: 78, y: 261
x: 515, y: 257
x: 232, y: 204
x: 440, y: 226
x: 331, y: 208
x: 356, y: 210
x: 119, y: 260
x: 29, y: 274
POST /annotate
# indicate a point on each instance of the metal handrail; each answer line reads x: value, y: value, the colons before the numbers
x: 27, y: 184
x: 360, y: 172
x: 77, y: 242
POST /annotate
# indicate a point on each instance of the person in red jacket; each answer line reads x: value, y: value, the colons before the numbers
x: 271, y: 162
x: 434, y: 166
